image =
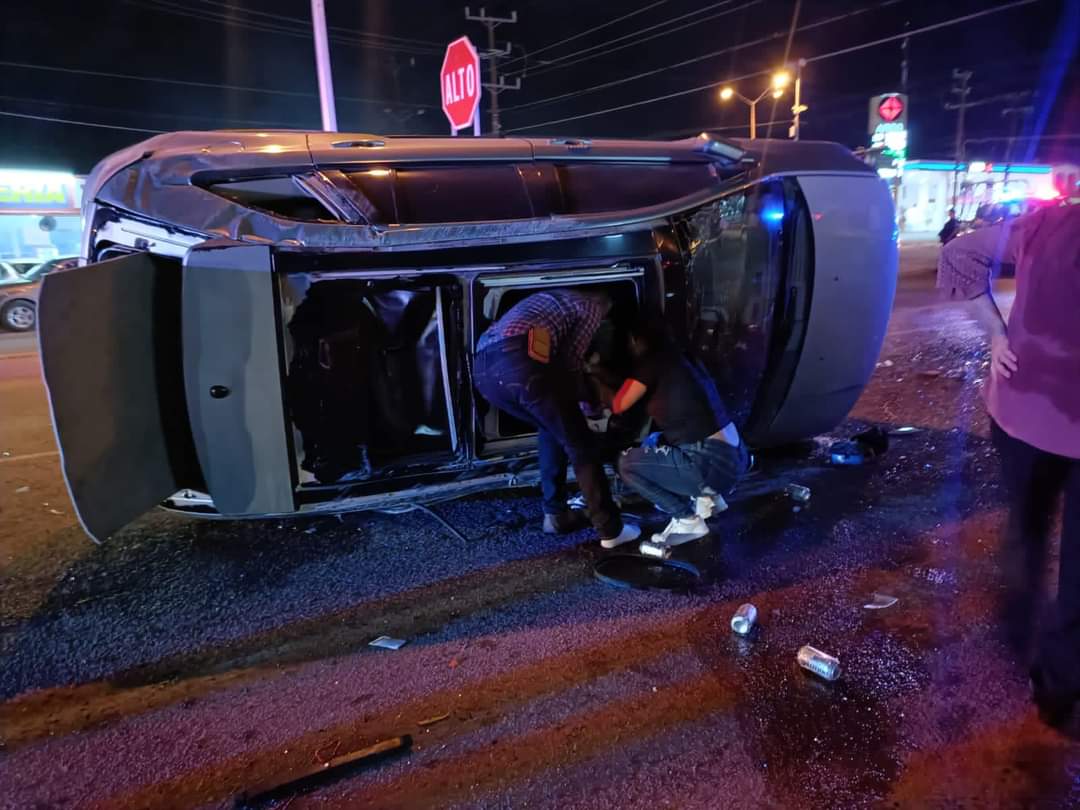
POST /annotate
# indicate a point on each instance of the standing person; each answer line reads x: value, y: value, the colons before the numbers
x: 697, y: 456
x: 948, y: 231
x: 1033, y: 397
x: 529, y: 364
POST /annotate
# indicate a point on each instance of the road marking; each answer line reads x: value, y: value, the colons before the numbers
x: 30, y: 456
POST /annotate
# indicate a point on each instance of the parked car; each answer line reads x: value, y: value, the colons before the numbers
x: 18, y: 305
x: 258, y: 301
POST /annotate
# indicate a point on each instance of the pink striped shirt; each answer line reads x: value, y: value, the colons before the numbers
x: 1040, y: 403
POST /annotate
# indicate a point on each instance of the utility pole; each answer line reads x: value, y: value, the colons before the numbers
x: 322, y: 66
x: 798, y: 108
x: 1015, y: 113
x: 961, y: 89
x: 495, y: 83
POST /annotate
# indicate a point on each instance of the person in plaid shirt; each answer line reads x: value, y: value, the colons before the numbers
x: 529, y: 365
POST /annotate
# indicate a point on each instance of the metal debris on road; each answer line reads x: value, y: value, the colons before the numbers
x: 797, y: 492
x: 55, y: 512
x: 22, y: 489
x: 658, y: 551
x: 430, y: 721
x: 323, y: 773
x: 388, y: 643
x: 744, y: 619
x: 905, y: 430
x: 821, y: 664
x: 880, y: 601
x: 930, y: 373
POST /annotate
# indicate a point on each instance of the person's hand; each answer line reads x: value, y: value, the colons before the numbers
x: 1002, y: 358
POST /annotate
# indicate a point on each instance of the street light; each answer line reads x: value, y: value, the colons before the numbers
x: 779, y: 81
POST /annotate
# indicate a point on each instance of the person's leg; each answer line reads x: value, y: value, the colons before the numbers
x: 1059, y: 648
x: 549, y: 399
x: 665, y: 475
x: 1033, y: 479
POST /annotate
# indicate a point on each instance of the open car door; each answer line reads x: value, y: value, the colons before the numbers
x: 110, y: 337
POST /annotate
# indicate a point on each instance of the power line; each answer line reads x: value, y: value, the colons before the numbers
x: 703, y: 57
x: 268, y: 27
x: 818, y: 58
x: 179, y: 116
x: 588, y: 31
x: 209, y: 85
x: 351, y: 31
x: 80, y: 123
x: 636, y: 39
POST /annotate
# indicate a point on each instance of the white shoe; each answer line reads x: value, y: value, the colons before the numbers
x: 629, y: 533
x: 681, y: 530
x: 705, y: 506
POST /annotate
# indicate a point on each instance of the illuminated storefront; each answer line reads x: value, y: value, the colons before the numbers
x: 926, y: 189
x: 39, y: 215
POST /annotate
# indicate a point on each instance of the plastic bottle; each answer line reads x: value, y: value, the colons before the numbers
x: 821, y: 664
x: 743, y: 620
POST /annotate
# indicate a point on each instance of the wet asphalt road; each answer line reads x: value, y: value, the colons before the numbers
x: 186, y: 662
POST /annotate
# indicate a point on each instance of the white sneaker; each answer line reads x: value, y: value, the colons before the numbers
x: 681, y: 530
x: 705, y: 506
x: 629, y: 533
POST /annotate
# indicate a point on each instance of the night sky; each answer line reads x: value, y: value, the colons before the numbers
x: 387, y: 53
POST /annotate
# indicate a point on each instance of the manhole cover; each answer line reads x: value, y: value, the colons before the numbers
x: 635, y: 571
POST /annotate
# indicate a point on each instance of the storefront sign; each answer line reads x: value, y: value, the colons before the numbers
x: 26, y: 192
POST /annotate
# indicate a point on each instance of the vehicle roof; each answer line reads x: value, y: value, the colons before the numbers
x: 156, y: 178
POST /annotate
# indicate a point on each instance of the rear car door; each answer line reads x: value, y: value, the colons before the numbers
x: 111, y: 357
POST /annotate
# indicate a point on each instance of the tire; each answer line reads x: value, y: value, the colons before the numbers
x: 18, y: 316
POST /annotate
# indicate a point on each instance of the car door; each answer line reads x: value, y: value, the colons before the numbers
x: 233, y: 368
x: 109, y: 335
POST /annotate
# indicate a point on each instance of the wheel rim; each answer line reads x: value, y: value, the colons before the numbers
x: 20, y: 316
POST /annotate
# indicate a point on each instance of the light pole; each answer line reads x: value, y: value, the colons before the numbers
x: 798, y: 107
x: 780, y: 80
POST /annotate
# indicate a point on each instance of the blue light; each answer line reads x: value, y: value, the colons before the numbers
x: 772, y: 213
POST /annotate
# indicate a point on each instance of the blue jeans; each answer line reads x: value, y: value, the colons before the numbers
x: 671, y: 476
x: 545, y: 396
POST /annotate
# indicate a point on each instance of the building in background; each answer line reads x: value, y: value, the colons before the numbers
x: 926, y: 189
x: 39, y: 215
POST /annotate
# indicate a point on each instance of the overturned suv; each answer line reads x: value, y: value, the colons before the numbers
x: 268, y: 323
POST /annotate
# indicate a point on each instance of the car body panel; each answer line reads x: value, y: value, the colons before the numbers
x: 110, y: 357
x: 232, y: 376
x: 855, y: 261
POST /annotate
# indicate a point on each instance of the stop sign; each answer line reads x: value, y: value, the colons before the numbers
x: 460, y: 81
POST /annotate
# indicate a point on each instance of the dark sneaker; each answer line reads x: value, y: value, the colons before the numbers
x: 567, y: 522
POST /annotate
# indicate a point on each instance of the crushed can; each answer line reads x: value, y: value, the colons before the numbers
x: 744, y: 619
x: 657, y: 551
x: 821, y: 664
x: 798, y: 493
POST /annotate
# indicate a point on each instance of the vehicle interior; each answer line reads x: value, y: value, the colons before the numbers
x: 376, y: 378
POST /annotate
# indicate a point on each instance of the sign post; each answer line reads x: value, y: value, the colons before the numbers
x: 459, y: 83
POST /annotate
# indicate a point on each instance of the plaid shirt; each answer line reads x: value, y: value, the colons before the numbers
x: 570, y: 317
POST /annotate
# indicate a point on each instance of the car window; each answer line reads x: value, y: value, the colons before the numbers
x: 434, y: 194
x: 591, y: 188
x: 275, y: 195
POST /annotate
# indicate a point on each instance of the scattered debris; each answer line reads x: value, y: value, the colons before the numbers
x: 930, y: 373
x: 6, y: 454
x: 22, y: 489
x: 453, y: 663
x: 880, y: 601
x: 388, y: 643
x: 905, y: 430
x: 886, y: 364
x: 430, y: 721
x: 868, y: 444
x: 311, y: 530
x: 821, y: 664
x: 55, y: 512
x: 743, y: 620
x: 797, y: 492
x: 659, y: 551
x: 322, y: 773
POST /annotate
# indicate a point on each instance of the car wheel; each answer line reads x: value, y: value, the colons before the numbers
x: 18, y: 316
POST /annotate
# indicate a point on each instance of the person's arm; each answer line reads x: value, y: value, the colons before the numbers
x: 964, y: 271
